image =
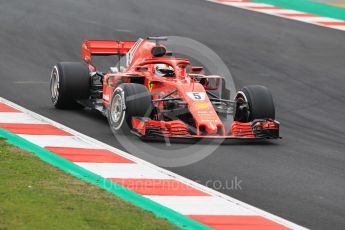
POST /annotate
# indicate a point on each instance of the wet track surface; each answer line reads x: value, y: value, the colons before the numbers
x: 300, y: 178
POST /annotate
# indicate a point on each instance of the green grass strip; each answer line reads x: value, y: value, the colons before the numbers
x: 309, y: 7
x: 116, y: 189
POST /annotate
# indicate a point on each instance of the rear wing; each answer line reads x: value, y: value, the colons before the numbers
x: 104, y: 48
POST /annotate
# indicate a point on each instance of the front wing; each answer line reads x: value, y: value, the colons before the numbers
x: 177, y: 131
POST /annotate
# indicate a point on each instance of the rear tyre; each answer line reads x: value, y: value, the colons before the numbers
x: 254, y: 102
x: 69, y: 81
x: 128, y: 100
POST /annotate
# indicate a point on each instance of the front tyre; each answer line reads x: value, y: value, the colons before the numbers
x: 254, y: 102
x: 128, y: 100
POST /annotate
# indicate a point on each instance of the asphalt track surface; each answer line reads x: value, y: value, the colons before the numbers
x: 300, y: 178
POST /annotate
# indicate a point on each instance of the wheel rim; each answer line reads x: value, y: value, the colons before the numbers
x: 54, y: 85
x: 117, y: 108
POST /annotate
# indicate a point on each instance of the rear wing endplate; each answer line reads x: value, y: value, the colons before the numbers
x: 104, y: 48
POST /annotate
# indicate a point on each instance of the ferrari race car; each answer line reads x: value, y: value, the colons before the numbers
x: 154, y: 95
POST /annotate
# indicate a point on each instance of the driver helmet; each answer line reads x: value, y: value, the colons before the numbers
x: 164, y: 70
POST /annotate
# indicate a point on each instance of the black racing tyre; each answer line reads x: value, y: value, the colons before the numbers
x: 69, y: 81
x: 254, y: 102
x: 128, y: 100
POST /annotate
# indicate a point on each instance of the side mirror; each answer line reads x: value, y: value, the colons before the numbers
x: 210, y: 83
x: 196, y: 69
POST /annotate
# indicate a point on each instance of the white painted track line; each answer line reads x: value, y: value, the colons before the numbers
x: 21, y: 118
x: 59, y: 141
x: 202, y: 205
x: 124, y: 170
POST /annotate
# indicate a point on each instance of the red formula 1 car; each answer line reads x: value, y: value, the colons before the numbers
x: 157, y: 96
